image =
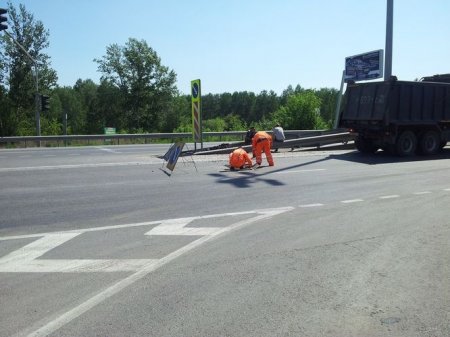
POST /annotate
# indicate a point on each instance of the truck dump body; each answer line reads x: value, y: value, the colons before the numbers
x: 397, y: 102
x: 399, y: 116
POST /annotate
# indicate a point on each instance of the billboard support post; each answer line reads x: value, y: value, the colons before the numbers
x: 389, y: 32
x: 338, y: 103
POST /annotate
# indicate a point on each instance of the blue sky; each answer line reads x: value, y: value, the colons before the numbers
x: 246, y: 45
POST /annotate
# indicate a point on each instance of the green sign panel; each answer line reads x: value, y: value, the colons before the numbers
x: 110, y: 131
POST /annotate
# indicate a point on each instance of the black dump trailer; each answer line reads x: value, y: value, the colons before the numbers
x: 401, y: 117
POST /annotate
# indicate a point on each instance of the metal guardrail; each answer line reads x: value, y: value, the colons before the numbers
x: 117, y: 138
x: 317, y: 140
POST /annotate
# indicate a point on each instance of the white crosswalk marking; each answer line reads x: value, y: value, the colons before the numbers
x: 177, y: 227
x: 28, y: 259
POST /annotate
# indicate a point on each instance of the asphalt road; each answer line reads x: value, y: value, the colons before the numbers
x: 105, y: 241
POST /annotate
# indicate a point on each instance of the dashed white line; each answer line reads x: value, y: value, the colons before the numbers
x: 422, y: 192
x: 351, y: 201
x: 389, y: 196
x: 311, y: 205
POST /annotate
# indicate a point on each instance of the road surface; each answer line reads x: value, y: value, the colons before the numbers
x: 104, y: 241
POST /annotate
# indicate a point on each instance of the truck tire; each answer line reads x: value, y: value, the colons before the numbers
x: 365, y: 145
x: 430, y: 143
x: 406, y: 144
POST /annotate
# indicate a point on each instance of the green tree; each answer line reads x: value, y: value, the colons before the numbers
x: 18, y: 70
x: 301, y: 112
x: 266, y: 104
x: 178, y: 111
x: 146, y: 85
x: 328, y: 98
x: 70, y: 104
x: 87, y: 92
x: 111, y: 101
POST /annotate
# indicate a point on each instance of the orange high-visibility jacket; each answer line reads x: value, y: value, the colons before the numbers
x: 261, y: 136
x: 239, y: 157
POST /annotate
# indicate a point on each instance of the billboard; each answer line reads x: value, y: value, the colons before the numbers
x: 363, y: 67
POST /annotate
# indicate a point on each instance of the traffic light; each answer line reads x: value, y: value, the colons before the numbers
x: 45, y: 104
x: 3, y: 19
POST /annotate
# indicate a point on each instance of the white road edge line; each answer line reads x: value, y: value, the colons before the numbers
x: 70, y: 315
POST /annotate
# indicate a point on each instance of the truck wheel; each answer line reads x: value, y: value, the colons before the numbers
x: 430, y: 143
x: 406, y: 144
x: 365, y: 145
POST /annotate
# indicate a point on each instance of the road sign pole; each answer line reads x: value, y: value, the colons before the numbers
x: 196, y: 112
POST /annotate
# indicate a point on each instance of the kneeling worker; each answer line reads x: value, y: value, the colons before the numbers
x: 240, y: 159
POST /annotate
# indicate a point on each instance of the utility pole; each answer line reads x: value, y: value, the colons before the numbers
x: 388, y: 48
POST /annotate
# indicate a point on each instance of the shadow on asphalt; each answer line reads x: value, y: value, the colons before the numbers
x: 384, y: 157
x: 245, y: 179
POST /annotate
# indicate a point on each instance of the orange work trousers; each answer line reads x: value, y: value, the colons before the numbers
x: 263, y: 146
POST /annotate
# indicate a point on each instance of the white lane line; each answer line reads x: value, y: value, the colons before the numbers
x: 56, y: 167
x: 311, y: 205
x: 351, y: 201
x: 422, y: 192
x: 70, y: 315
x: 300, y: 171
x: 446, y: 189
x: 76, y: 266
x: 106, y: 149
x: 392, y: 196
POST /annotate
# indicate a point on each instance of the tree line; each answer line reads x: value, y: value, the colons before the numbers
x: 136, y: 93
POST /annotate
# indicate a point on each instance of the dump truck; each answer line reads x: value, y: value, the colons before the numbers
x: 402, y: 117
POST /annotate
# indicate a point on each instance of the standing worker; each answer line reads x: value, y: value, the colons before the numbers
x: 240, y: 159
x: 262, y: 141
x: 278, y: 135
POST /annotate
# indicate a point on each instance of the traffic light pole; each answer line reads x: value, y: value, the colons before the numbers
x: 36, y: 73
